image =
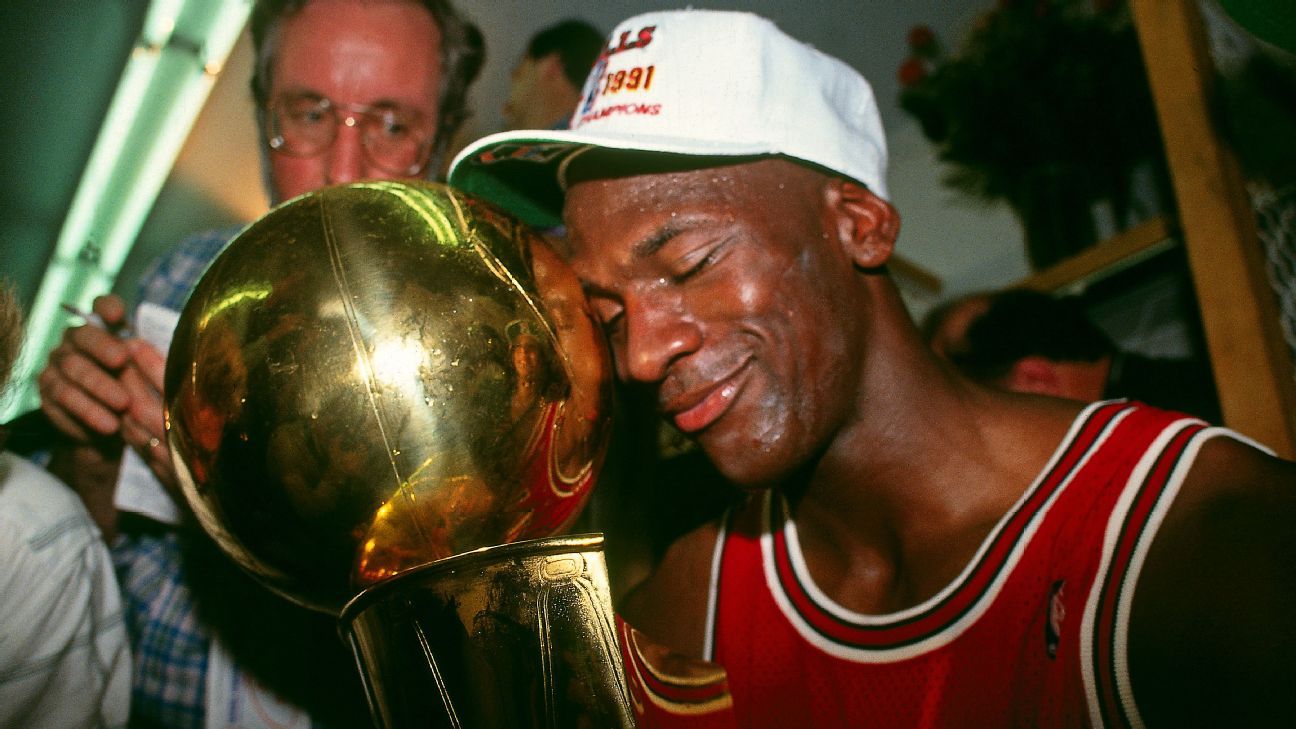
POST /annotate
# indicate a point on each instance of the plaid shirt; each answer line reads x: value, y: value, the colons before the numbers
x: 168, y: 281
x: 170, y: 644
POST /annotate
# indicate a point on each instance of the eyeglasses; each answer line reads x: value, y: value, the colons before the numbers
x: 396, y: 139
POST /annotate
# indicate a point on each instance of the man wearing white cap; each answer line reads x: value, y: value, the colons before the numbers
x: 917, y: 550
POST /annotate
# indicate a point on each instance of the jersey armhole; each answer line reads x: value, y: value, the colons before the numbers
x: 1108, y: 682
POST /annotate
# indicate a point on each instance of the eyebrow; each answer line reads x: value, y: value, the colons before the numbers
x: 307, y: 93
x: 656, y: 241
x: 645, y: 248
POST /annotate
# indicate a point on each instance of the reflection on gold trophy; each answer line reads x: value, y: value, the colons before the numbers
x: 384, y: 400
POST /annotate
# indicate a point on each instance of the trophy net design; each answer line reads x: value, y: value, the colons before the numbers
x: 384, y: 400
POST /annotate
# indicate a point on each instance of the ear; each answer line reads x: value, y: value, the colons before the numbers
x: 865, y: 224
x: 1035, y: 374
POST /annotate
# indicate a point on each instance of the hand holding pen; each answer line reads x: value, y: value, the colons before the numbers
x: 123, y: 330
x: 140, y: 422
x: 79, y: 387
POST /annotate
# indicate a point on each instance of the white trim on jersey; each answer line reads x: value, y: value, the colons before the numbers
x: 978, y: 608
x: 713, y: 591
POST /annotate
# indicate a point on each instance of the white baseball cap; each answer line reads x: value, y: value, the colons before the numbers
x: 691, y: 82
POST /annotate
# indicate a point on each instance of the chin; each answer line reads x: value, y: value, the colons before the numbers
x: 747, y: 468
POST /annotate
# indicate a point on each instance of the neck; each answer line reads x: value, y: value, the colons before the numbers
x: 928, y: 463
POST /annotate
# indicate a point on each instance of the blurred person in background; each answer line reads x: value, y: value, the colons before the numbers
x: 1029, y: 341
x: 547, y: 80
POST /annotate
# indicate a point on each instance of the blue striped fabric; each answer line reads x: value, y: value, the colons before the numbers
x: 170, y: 645
x: 168, y: 281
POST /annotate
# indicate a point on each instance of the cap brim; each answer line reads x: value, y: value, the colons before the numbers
x: 520, y: 171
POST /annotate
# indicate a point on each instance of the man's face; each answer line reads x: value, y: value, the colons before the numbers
x: 526, y: 356
x: 381, y: 53
x: 725, y: 290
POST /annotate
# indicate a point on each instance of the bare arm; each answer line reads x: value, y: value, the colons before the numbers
x: 1213, y: 624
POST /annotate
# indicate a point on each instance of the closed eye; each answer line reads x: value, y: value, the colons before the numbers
x: 614, y: 332
x: 695, y: 269
x: 702, y: 262
x: 609, y: 314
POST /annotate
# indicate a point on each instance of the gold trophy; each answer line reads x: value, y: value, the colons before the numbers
x: 384, y: 400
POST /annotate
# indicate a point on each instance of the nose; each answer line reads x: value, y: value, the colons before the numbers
x: 658, y: 331
x: 347, y: 156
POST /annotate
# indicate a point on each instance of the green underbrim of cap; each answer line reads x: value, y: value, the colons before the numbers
x: 521, y: 175
x: 527, y: 189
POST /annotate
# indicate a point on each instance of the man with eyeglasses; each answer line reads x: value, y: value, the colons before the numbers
x: 345, y: 91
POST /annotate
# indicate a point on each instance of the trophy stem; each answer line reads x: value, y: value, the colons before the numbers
x: 517, y: 635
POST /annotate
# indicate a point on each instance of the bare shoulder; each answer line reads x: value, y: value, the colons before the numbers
x: 1212, y: 628
x: 1229, y: 465
x: 670, y: 606
x: 1230, y: 499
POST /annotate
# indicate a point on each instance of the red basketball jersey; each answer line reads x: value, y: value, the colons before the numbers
x: 1031, y: 633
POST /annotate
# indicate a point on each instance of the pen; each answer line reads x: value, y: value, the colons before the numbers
x: 124, y: 331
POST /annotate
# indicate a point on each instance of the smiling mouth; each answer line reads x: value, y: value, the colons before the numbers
x: 715, y: 403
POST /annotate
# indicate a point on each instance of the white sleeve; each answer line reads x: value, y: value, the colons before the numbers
x: 64, y: 655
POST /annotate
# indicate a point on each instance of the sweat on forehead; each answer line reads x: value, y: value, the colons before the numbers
x: 673, y: 200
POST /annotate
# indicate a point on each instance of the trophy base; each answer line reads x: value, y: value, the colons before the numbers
x: 517, y: 635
